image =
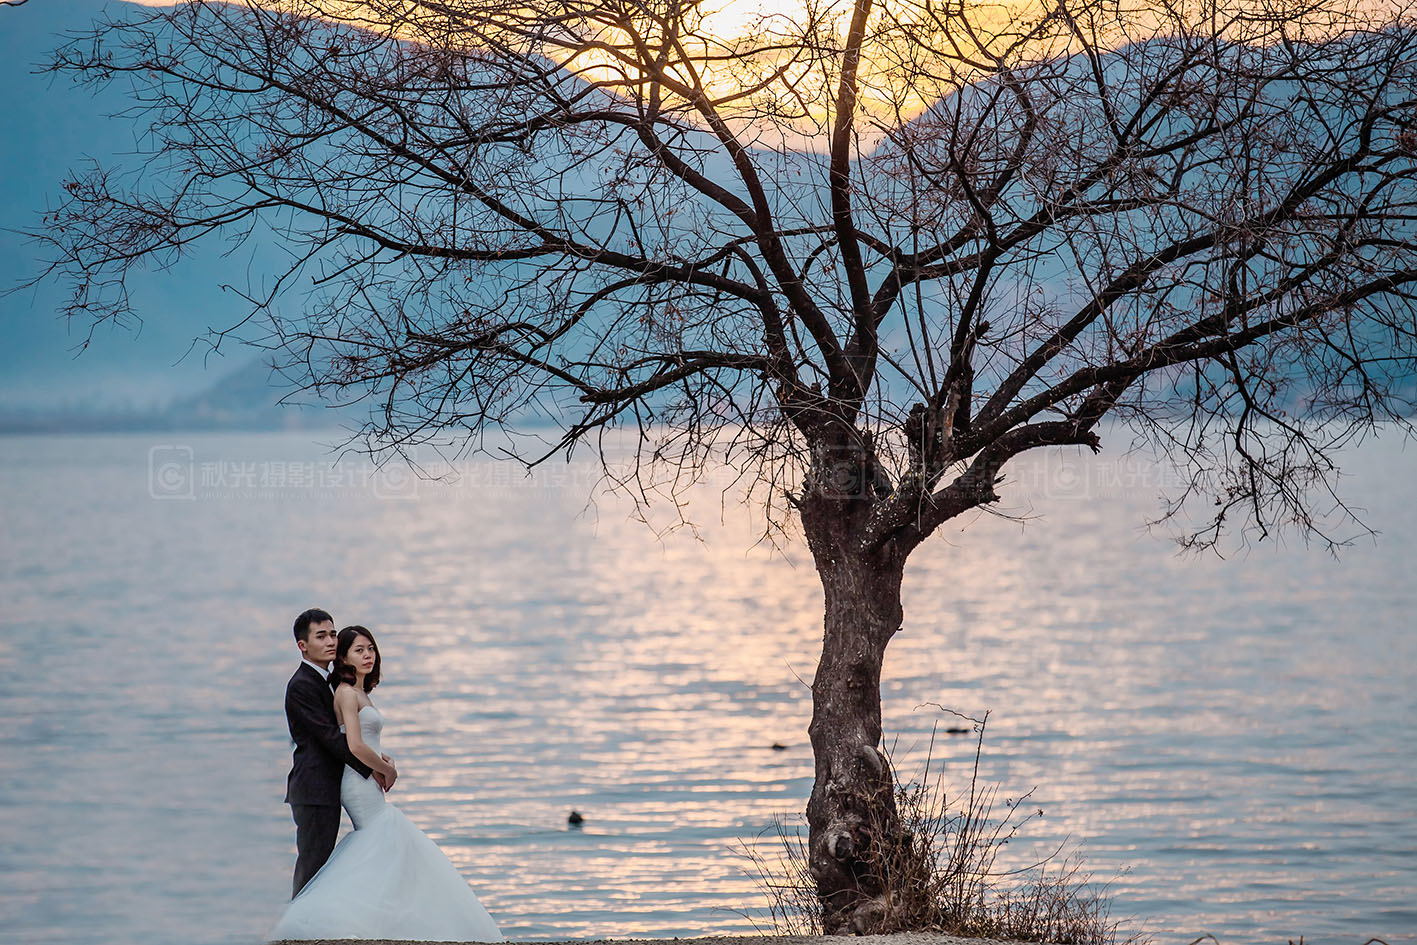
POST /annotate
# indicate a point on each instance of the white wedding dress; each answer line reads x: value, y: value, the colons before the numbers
x: 385, y: 879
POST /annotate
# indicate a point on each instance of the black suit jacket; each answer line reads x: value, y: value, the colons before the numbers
x: 320, y: 749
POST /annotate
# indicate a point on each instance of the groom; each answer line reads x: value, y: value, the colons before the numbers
x: 312, y: 790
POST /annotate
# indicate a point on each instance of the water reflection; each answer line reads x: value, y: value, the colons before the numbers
x: 1237, y: 733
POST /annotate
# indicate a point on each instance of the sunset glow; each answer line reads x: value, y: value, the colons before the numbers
x: 752, y: 58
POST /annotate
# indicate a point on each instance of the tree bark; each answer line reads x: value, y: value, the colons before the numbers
x: 852, y: 809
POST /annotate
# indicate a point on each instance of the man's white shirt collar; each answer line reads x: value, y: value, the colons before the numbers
x: 324, y: 673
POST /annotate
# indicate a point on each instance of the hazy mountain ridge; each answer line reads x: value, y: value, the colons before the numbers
x: 243, y: 399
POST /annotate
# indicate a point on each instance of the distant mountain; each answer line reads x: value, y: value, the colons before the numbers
x: 245, y: 399
x: 242, y: 400
x: 53, y: 127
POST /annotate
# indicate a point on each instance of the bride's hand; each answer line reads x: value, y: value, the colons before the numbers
x: 387, y: 779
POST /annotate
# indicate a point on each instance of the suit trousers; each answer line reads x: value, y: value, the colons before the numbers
x: 316, y: 827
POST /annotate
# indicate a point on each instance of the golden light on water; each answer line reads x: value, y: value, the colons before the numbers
x: 1191, y: 721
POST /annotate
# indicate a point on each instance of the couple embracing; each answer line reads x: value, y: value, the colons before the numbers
x: 386, y: 879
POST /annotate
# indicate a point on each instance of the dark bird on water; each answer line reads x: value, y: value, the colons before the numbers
x: 956, y: 730
x: 575, y: 820
x: 779, y: 746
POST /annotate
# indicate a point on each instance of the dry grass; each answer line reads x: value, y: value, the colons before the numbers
x: 941, y: 873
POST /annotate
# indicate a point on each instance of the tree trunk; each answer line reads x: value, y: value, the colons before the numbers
x: 852, y: 808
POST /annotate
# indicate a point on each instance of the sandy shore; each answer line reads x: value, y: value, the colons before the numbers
x: 903, y: 938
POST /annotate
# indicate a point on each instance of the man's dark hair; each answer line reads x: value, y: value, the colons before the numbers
x: 313, y: 615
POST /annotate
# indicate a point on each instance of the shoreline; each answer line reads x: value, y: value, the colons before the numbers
x: 895, y: 938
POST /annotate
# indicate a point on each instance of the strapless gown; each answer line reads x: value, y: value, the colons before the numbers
x: 385, y: 879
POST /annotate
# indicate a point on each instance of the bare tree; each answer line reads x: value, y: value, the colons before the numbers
x: 869, y: 251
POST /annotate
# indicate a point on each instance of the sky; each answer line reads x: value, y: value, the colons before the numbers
x: 50, y: 127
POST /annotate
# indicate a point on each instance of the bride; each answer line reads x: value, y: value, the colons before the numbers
x: 385, y: 879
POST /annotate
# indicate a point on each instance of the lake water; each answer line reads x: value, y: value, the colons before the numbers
x: 1233, y: 744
